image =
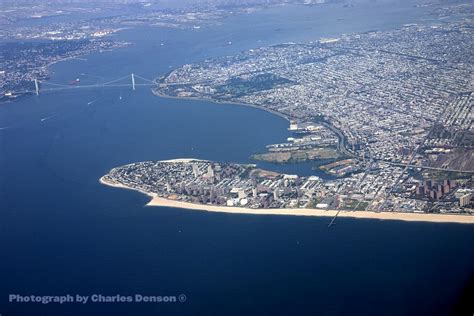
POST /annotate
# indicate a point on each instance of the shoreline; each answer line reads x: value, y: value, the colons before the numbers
x: 157, y: 201
x: 50, y: 64
x: 222, y: 102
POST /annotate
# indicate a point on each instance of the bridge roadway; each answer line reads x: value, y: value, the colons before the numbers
x: 74, y: 87
x: 110, y: 84
x: 115, y: 83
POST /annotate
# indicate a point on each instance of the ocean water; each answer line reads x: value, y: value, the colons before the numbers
x: 61, y: 232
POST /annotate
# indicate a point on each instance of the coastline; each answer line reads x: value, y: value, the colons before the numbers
x: 121, y: 186
x: 407, y: 217
x: 222, y: 102
x: 48, y: 66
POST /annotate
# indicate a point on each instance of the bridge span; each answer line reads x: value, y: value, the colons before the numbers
x: 126, y: 81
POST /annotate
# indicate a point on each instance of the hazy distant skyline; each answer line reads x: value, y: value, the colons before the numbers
x: 179, y: 3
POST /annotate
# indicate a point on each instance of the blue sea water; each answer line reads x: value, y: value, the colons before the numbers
x: 61, y: 232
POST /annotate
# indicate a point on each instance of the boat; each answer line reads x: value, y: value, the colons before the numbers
x: 74, y: 82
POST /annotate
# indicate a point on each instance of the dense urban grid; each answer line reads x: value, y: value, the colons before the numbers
x: 226, y: 184
x: 387, y: 115
x: 234, y: 185
x: 398, y: 103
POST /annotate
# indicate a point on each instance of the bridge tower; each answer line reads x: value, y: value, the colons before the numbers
x: 37, y: 87
x: 133, y: 81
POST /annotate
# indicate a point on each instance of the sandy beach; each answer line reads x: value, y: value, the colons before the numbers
x: 409, y: 217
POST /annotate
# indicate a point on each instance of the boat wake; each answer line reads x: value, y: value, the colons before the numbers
x: 48, y: 118
x: 92, y: 102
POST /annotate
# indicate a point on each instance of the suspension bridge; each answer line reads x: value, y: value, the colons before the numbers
x: 132, y: 81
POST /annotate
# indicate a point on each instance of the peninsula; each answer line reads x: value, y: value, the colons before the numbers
x: 244, y: 189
